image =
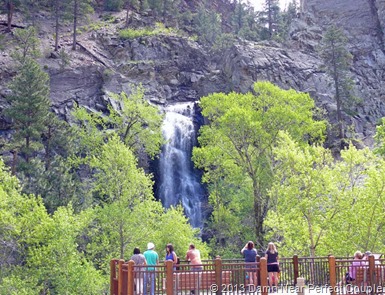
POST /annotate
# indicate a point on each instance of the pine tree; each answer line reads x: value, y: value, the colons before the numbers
x: 27, y: 44
x: 59, y: 7
x: 337, y: 62
x: 29, y: 108
x: 269, y: 17
x: 80, y: 9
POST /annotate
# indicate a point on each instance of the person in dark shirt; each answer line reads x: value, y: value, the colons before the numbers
x: 250, y: 254
x: 271, y: 256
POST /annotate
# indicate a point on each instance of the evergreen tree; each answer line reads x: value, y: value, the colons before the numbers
x: 80, y: 9
x: 269, y: 18
x: 286, y: 19
x: 59, y: 9
x: 29, y: 108
x: 208, y: 24
x: 144, y: 5
x: 337, y: 62
x: 27, y: 44
x: 9, y: 7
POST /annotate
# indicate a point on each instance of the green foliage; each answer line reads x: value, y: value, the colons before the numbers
x: 379, y: 138
x: 113, y: 5
x: 45, y: 246
x: 64, y: 59
x: 321, y: 202
x: 208, y: 25
x: 159, y: 29
x: 307, y: 195
x: 27, y: 44
x: 337, y: 61
x: 29, y: 108
x: 238, y: 142
x: 270, y: 17
x: 137, y: 122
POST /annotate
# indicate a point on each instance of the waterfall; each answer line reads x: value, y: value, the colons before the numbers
x: 179, y: 183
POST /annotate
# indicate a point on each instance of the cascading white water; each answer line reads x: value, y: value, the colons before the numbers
x: 178, y: 181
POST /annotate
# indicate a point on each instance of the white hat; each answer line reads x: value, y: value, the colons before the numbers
x: 150, y: 246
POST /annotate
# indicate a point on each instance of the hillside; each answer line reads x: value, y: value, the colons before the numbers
x: 172, y: 67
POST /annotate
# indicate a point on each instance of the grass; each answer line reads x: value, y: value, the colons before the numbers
x: 159, y: 29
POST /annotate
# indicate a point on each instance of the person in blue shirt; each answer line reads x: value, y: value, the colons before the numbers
x: 152, y: 259
x: 250, y: 254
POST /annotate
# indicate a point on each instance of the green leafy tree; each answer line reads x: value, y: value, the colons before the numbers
x: 244, y: 129
x: 129, y: 215
x: 308, y: 199
x: 121, y: 184
x: 39, y: 253
x: 29, y: 109
x: 337, y: 62
x: 137, y: 122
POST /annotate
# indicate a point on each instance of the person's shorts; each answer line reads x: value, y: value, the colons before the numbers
x: 273, y: 268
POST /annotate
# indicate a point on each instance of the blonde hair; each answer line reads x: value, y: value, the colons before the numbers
x: 271, y: 248
x: 358, y: 254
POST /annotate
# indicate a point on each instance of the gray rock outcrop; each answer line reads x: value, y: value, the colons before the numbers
x: 173, y: 69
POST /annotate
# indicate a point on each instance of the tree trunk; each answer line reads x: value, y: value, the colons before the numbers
x: 75, y: 24
x: 258, y: 216
x: 57, y: 25
x: 14, y: 161
x: 270, y: 19
x: 10, y: 8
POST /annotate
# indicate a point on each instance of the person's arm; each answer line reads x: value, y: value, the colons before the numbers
x: 244, y: 248
x: 174, y: 258
x: 187, y: 256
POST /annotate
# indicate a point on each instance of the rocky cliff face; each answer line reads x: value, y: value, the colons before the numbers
x: 173, y: 69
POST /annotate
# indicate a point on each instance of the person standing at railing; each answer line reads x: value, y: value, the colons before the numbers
x: 139, y: 260
x: 350, y: 277
x: 272, y: 264
x: 250, y: 255
x: 171, y: 255
x: 152, y: 259
x: 194, y: 257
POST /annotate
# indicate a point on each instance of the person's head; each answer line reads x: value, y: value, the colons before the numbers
x: 192, y: 247
x: 358, y: 255
x: 169, y: 248
x: 271, y: 247
x: 136, y: 250
x: 250, y: 245
x: 150, y: 246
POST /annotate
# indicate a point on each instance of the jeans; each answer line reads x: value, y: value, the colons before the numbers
x: 149, y: 277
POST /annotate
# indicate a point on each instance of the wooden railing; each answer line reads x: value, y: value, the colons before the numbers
x: 369, y: 276
x: 323, y: 274
x: 216, y: 277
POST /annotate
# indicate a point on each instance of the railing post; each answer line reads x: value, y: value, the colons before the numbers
x: 130, y: 277
x: 372, y: 274
x: 332, y: 273
x: 218, y: 274
x: 112, y: 275
x: 295, y: 268
x: 169, y: 277
x: 120, y: 277
x: 263, y: 272
x: 258, y: 282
